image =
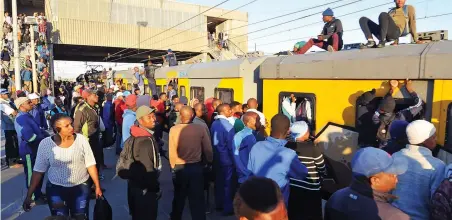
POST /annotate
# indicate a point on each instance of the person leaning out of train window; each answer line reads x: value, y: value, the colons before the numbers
x: 331, y: 37
x: 386, y: 114
x: 398, y: 22
x: 374, y: 176
x: 305, y: 198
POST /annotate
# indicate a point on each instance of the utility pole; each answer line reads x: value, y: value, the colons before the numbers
x: 16, y: 47
x: 33, y: 60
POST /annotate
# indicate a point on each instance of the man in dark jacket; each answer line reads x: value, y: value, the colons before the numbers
x: 143, y: 187
x: 375, y: 175
x: 331, y: 37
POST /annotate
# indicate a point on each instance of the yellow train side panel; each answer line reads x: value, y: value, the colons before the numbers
x: 233, y: 83
x: 335, y: 99
x: 442, y: 97
x: 184, y: 82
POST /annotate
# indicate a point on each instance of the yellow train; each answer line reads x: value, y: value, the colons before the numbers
x: 331, y: 83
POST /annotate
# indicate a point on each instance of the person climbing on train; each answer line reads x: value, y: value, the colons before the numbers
x: 374, y: 176
x: 331, y: 37
x: 366, y: 104
x: 386, y: 114
x: 398, y: 22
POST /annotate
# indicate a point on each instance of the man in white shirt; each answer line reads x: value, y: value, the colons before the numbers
x: 252, y: 105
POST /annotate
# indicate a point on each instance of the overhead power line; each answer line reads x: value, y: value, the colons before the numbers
x: 183, y: 22
x: 303, y: 17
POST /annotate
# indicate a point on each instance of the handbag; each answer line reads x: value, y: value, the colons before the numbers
x: 102, y: 209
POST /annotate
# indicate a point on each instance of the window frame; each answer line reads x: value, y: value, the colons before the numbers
x: 218, y: 90
x: 447, y: 140
x: 311, y: 96
x: 192, y: 88
x: 180, y: 91
x: 159, y: 89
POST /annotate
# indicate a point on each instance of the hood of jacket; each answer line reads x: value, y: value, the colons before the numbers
x: 137, y: 131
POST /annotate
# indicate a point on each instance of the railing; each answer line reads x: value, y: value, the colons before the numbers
x: 236, y: 49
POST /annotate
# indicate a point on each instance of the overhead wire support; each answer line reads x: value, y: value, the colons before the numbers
x: 303, y: 17
x: 173, y: 26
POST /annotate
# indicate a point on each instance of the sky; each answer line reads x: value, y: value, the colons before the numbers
x: 283, y: 37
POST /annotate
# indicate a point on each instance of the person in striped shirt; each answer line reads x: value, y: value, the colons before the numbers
x: 305, y: 200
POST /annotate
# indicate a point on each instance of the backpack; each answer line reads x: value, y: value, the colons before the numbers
x: 441, y: 205
x: 102, y: 209
x: 126, y: 158
x: 171, y: 58
x: 406, y: 30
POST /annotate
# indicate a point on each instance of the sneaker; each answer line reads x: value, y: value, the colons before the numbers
x: 382, y: 44
x: 369, y: 44
x: 330, y: 48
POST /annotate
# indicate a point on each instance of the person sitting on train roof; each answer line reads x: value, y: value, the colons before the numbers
x: 374, y: 176
x: 331, y: 37
x: 398, y: 22
x: 424, y: 172
x: 386, y: 114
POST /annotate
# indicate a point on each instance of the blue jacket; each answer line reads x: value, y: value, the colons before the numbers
x: 29, y: 133
x: 107, y: 114
x: 139, y: 78
x: 26, y: 75
x: 222, y: 133
x: 416, y: 186
x: 39, y: 116
x: 271, y: 159
x: 129, y: 118
x: 244, y: 140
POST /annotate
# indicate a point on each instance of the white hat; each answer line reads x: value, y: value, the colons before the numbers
x: 298, y: 129
x: 32, y: 96
x: 119, y: 94
x: 420, y: 130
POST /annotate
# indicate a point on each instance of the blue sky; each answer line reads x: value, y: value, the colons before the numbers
x: 263, y: 9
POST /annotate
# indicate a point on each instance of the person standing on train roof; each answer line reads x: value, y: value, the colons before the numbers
x: 222, y: 133
x: 425, y: 172
x: 398, y: 22
x: 305, y: 199
x: 271, y: 159
x: 375, y: 174
x: 386, y: 114
x: 243, y: 142
x: 331, y: 37
x: 170, y: 57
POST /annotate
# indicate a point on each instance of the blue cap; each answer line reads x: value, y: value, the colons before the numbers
x: 4, y: 91
x: 328, y: 12
x: 370, y: 161
x: 397, y: 130
x: 298, y: 129
x: 126, y: 93
x: 170, y: 51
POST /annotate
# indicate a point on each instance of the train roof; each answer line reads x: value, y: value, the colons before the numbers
x: 225, y: 69
x: 424, y: 61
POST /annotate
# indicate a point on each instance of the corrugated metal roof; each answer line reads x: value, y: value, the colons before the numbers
x: 401, y: 62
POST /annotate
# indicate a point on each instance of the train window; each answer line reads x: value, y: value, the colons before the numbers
x: 198, y: 93
x: 303, y: 110
x: 225, y: 95
x: 182, y: 91
x: 146, y: 89
x: 448, y: 141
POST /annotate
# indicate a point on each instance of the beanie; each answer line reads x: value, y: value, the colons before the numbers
x: 328, y: 12
x: 420, y: 130
x: 388, y: 104
x: 397, y: 130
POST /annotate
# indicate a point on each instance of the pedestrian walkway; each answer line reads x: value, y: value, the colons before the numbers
x: 13, y: 192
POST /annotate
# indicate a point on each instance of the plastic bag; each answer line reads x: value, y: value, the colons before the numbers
x: 102, y: 210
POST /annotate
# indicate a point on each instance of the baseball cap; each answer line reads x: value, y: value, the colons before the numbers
x: 298, y: 129
x: 143, y: 111
x: 19, y: 101
x: 126, y: 93
x: 119, y: 94
x: 169, y: 50
x: 131, y: 100
x: 33, y: 96
x: 370, y: 161
x: 4, y: 91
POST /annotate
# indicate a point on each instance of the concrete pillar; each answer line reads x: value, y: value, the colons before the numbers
x: 33, y: 61
x: 16, y: 47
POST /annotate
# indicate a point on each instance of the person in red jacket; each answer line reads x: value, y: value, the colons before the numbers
x: 120, y: 107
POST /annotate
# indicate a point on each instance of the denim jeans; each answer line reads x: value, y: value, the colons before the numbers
x: 65, y: 201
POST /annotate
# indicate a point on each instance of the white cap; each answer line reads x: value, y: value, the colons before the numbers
x: 119, y: 94
x: 32, y: 96
x: 420, y: 130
